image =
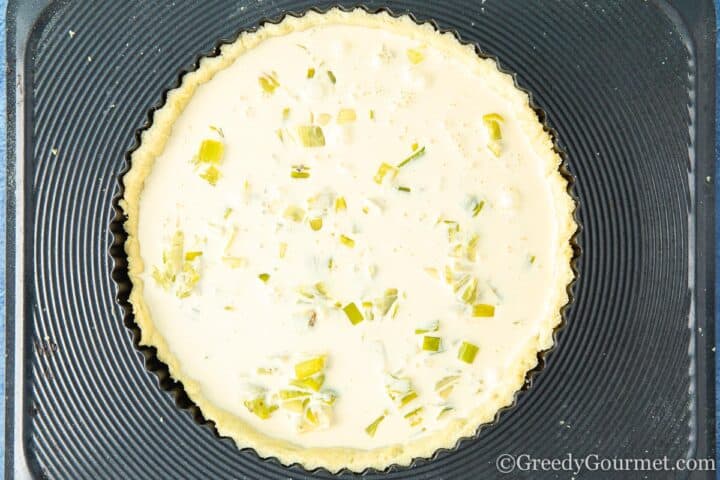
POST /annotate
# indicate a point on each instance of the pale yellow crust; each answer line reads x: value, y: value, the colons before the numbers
x: 334, y: 459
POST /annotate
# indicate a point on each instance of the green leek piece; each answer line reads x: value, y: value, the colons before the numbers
x: 211, y: 151
x: 228, y: 212
x: 472, y: 246
x: 404, y: 189
x: 495, y: 148
x: 300, y: 171
x: 416, y: 154
x: 372, y: 428
x: 347, y: 241
x: 331, y: 76
x: 313, y: 383
x: 294, y: 213
x: 260, y: 408
x: 229, y: 308
x: 190, y: 256
x: 311, y: 136
x: 483, y: 310
x: 431, y: 344
x: 433, y: 327
x: 217, y: 130
x: 340, y: 204
x: 415, y: 56
x: 532, y: 259
x: 444, y: 412
x: 444, y: 386
x: 310, y: 367
x: 292, y: 394
x: 265, y: 371
x: 492, y: 122
x: 477, y: 207
x: 346, y: 115
x: 415, y: 417
x: 383, y: 170
x: 470, y: 292
x: 295, y: 406
x: 324, y: 119
x: 408, y: 398
x: 264, y: 277
x: 372, y: 114
x: 353, y: 313
x: 269, y: 82
x: 211, y: 175
x: 310, y: 73
x: 282, y: 249
x: 316, y: 223
x: 387, y: 300
x: 467, y: 352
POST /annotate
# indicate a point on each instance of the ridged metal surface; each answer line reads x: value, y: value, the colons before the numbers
x: 614, y: 79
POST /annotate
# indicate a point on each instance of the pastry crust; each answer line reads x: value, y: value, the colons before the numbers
x: 152, y: 145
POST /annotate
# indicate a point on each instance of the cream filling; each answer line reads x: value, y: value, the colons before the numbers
x: 232, y: 323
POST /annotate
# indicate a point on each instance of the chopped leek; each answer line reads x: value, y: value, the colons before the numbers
x: 444, y: 412
x: 472, y: 246
x: 404, y: 189
x: 260, y: 408
x: 433, y: 327
x: 291, y: 394
x: 296, y: 406
x: 286, y: 113
x: 190, y: 256
x: 386, y: 301
x: 331, y: 76
x: 347, y: 241
x: 431, y: 344
x: 372, y: 428
x: 264, y: 277
x: 311, y: 136
x: 282, y: 249
x: 467, y: 352
x: 372, y: 114
x: 415, y: 417
x: 310, y: 73
x: 477, y: 207
x: 470, y: 292
x: 532, y: 259
x: 492, y: 122
x: 217, y: 130
x: 300, y: 171
x: 211, y: 151
x: 445, y: 385
x: 228, y: 212
x: 408, y: 398
x: 269, y: 82
x: 415, y: 56
x: 383, y: 170
x: 211, y: 175
x: 340, y: 204
x: 294, y: 213
x: 310, y: 367
x: 416, y: 154
x: 353, y: 313
x: 346, y: 115
x: 483, y: 310
x: 313, y: 383
x: 316, y: 223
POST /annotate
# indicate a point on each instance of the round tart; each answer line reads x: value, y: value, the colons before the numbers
x: 348, y: 238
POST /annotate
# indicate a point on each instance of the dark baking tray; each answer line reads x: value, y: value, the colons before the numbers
x: 628, y: 87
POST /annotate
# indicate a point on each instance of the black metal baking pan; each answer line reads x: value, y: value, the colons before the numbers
x: 627, y: 86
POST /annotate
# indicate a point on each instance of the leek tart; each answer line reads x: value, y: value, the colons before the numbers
x: 348, y: 238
